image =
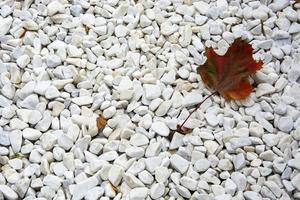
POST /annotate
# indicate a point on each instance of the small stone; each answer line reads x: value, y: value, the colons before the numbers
x: 65, y: 142
x: 31, y: 134
x: 8, y: 193
x: 132, y: 181
x: 264, y: 89
x: 265, y: 44
x: 94, y: 193
x: 138, y: 193
x: 54, y: 7
x: 30, y: 102
x: 59, y: 169
x: 145, y: 177
x: 201, y: 165
x: 34, y: 117
x: 285, y: 124
x: 88, y: 19
x: 270, y: 139
x: 267, y: 155
x: 8, y: 90
x: 294, y: 28
x: 4, y: 151
x: 296, y: 134
x: 167, y: 28
x: 183, y: 191
x: 157, y: 190
x: 278, y: 5
x: 109, y: 112
x: 186, y: 37
x: 191, y: 99
x: 16, y: 163
x: 5, y: 24
x: 52, y: 181
x: 296, y: 181
x: 53, y: 60
x: 115, y: 63
x: 139, y: 140
x: 4, y: 137
x: 251, y: 195
x: 280, y: 108
x: 260, y: 14
x: 239, y: 142
x: 41, y: 87
x: 83, y: 100
x: 152, y: 91
x: 240, y: 180
x: 163, y: 108
x: 135, y: 152
x: 23, y: 61
x: 160, y: 128
x: 52, y: 92
x: 200, y: 19
x: 181, y: 57
x: 215, y: 28
x: 277, y: 52
x: 179, y: 163
x: 274, y: 188
x: 115, y: 175
x: 295, y: 163
x: 225, y: 165
x: 22, y: 186
x: 76, y: 10
x: 239, y: 161
x: 177, y: 141
x: 230, y: 186
x: 121, y: 31
x: 211, y: 119
x: 211, y: 146
x: 78, y: 191
x: 162, y: 174
x: 189, y: 183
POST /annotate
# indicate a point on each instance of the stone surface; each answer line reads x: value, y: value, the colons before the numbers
x: 160, y: 128
x: 65, y: 63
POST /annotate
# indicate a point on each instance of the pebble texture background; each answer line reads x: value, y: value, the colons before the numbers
x: 63, y: 63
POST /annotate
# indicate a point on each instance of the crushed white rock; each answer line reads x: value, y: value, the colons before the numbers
x: 64, y: 63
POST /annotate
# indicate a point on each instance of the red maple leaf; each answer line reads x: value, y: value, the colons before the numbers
x: 229, y: 74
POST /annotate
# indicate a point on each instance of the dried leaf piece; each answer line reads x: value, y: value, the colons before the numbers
x: 183, y: 130
x: 228, y: 74
x: 101, y: 122
x: 294, y: 4
x: 115, y: 189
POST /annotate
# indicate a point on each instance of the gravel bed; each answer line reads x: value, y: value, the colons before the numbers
x: 63, y: 63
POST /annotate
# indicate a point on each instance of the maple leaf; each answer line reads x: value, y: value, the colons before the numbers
x: 228, y: 74
x: 101, y: 122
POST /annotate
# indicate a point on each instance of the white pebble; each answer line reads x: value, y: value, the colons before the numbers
x: 160, y: 128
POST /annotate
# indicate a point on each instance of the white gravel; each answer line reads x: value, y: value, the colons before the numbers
x: 64, y: 63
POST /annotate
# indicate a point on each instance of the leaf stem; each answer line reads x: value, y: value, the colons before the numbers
x: 198, y: 105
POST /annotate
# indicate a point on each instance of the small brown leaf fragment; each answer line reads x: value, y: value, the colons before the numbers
x: 101, y: 122
x: 183, y: 130
x: 114, y: 187
x: 294, y: 4
x: 23, y: 33
x: 87, y: 29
